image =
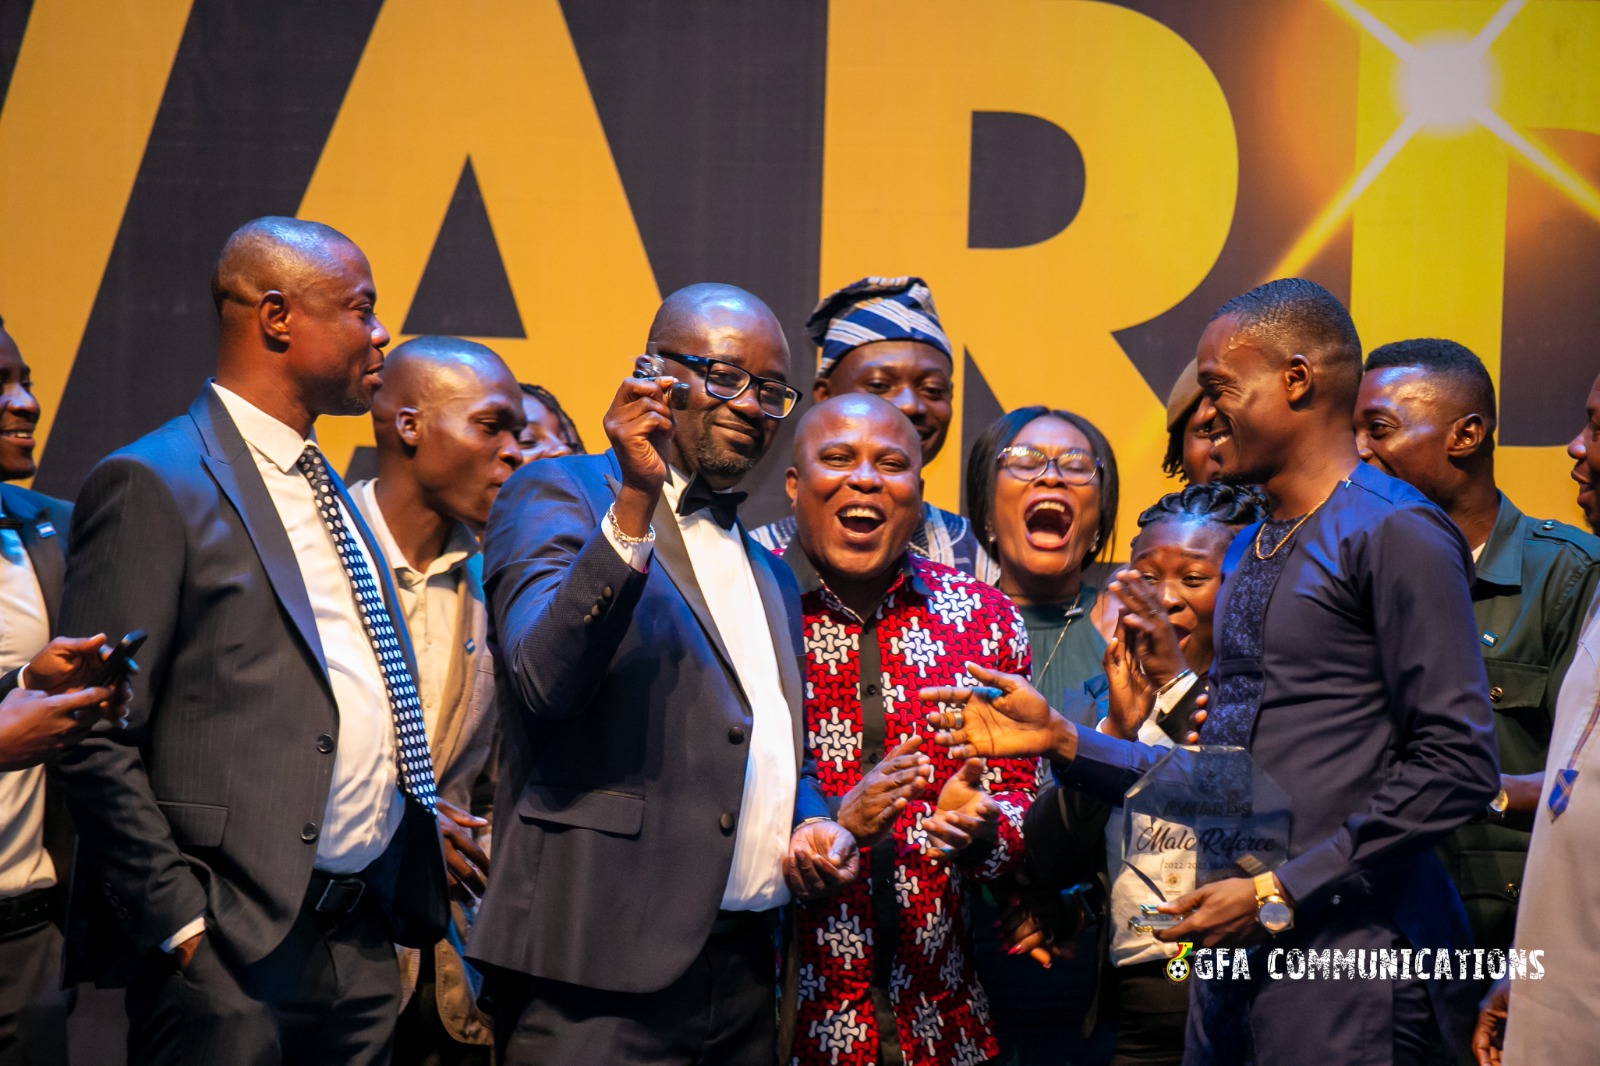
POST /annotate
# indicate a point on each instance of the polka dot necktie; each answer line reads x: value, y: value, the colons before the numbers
x: 410, y: 738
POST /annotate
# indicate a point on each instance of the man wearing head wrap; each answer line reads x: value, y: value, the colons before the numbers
x: 882, y: 336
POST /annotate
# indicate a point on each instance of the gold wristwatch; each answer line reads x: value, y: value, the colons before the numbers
x: 1273, y: 911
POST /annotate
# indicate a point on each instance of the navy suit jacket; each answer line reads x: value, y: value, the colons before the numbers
x: 1375, y: 720
x: 625, y: 737
x: 212, y: 799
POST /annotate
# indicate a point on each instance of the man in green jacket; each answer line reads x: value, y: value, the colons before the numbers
x: 1426, y: 414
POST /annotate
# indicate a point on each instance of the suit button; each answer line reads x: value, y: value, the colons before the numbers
x: 605, y: 593
x: 727, y: 821
x: 308, y: 832
x: 1512, y: 891
x: 736, y: 734
x: 324, y: 743
x: 1336, y: 900
x: 1496, y: 693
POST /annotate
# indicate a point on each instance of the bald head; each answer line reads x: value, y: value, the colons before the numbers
x: 446, y: 418
x: 425, y: 371
x: 686, y: 316
x: 290, y: 255
x: 858, y: 413
x: 856, y: 486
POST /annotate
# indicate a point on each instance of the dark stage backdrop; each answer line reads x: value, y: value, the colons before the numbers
x: 1081, y: 183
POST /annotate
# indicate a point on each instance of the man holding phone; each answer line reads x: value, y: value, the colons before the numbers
x: 46, y: 708
x: 656, y: 809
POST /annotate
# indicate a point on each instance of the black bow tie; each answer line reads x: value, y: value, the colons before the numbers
x: 724, y: 506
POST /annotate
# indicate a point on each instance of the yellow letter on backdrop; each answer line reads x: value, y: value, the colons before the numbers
x: 499, y: 81
x: 1430, y: 233
x: 1162, y: 171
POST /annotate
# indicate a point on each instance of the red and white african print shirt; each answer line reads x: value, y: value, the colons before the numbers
x: 933, y: 621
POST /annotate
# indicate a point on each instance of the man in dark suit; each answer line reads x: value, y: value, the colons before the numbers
x: 654, y: 806
x: 1346, y: 662
x: 35, y: 835
x: 263, y: 833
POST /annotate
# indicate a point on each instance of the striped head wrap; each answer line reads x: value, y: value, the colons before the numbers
x: 874, y: 309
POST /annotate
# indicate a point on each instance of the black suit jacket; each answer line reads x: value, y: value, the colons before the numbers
x: 623, y: 756
x: 45, y: 521
x: 212, y: 799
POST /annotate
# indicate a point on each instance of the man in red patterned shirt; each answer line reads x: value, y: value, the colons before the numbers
x: 885, y: 966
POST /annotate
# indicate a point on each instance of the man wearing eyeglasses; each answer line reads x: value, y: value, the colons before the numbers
x: 652, y: 751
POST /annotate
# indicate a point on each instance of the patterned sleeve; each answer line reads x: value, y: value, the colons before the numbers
x: 1012, y: 782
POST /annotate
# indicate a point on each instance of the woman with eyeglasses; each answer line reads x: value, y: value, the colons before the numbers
x: 1042, y: 496
x: 1042, y: 499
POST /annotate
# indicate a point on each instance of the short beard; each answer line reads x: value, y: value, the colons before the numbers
x: 711, y: 459
x: 358, y: 402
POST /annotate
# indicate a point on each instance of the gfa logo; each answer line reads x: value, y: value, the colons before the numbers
x: 1178, y: 965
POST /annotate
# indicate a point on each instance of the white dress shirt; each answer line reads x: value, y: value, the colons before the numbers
x: 364, y: 803
x: 24, y: 629
x: 430, y: 599
x: 766, y: 814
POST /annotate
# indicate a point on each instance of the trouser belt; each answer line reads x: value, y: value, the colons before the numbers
x: 335, y: 893
x: 27, y: 910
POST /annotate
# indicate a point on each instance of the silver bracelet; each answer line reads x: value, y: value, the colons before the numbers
x: 622, y: 538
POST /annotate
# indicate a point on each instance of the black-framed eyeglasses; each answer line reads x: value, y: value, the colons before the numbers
x: 726, y: 381
x: 1075, y: 467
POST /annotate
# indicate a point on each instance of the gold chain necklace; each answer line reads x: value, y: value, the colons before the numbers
x: 1292, y: 529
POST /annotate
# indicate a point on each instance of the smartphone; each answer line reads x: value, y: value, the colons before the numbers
x: 1150, y: 919
x: 117, y: 663
x: 650, y: 366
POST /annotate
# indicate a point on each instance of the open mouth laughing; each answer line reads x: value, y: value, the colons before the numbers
x: 1048, y: 520
x: 861, y: 519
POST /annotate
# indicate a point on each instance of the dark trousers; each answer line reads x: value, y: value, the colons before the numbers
x: 721, y: 1012
x: 33, y: 1007
x: 1152, y: 1011
x: 328, y: 994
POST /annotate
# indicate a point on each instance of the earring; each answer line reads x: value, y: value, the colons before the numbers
x: 1096, y: 545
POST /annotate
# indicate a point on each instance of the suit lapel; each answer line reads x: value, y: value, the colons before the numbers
x: 228, y: 461
x: 45, y: 553
x: 672, y: 555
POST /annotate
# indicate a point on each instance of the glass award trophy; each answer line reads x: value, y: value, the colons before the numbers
x: 1201, y: 814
